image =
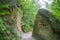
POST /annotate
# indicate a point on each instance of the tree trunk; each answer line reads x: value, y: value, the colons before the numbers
x: 19, y: 20
x: 42, y: 29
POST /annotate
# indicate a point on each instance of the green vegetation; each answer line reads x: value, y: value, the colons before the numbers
x: 9, y: 17
x: 6, y: 32
x: 56, y: 9
x: 29, y: 12
x: 6, y: 28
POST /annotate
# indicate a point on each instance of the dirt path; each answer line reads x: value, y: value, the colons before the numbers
x: 27, y: 36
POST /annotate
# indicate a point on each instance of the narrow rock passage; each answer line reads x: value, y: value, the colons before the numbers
x: 27, y: 36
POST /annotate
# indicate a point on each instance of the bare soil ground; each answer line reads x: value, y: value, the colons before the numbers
x: 27, y: 36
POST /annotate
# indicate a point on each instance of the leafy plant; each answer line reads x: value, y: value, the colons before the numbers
x: 29, y: 12
x: 56, y: 9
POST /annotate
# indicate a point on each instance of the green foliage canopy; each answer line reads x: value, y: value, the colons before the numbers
x: 29, y: 12
x: 56, y: 8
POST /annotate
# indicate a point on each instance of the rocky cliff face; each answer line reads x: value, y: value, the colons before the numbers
x: 43, y: 25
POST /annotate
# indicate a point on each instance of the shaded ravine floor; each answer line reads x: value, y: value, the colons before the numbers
x: 27, y: 36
